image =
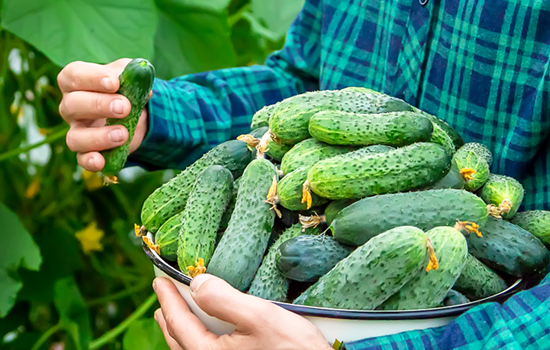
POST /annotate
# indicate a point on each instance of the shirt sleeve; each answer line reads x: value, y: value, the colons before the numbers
x: 522, y: 322
x: 189, y: 115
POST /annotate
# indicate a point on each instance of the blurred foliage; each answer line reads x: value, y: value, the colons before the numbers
x: 72, y: 272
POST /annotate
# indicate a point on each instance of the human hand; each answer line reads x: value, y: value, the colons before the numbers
x: 260, y: 324
x: 89, y: 97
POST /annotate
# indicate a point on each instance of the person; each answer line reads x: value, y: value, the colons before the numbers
x: 481, y: 65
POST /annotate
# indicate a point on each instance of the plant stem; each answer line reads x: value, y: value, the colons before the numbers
x: 53, y: 137
x: 45, y: 336
x: 118, y: 295
x: 115, y: 332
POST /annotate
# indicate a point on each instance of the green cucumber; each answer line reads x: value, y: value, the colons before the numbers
x: 167, y: 237
x: 259, y: 132
x: 308, y: 152
x: 289, y: 191
x: 171, y: 198
x: 429, y: 288
x: 306, y: 258
x: 407, y: 168
x: 136, y: 80
x: 508, y: 248
x: 289, y: 120
x: 472, y: 163
x: 261, y: 117
x: 372, y: 273
x: 269, y: 283
x: 477, y: 281
x: 240, y: 251
x: 504, y: 192
x: 207, y: 202
x: 480, y: 150
x: 440, y: 137
x: 276, y: 151
x: 392, y: 128
x: 452, y: 134
x: 368, y: 217
x: 535, y: 221
x: 455, y: 298
x: 335, y: 207
x: 230, y: 207
x: 453, y: 179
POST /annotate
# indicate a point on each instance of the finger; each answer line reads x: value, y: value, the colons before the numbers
x: 85, y: 76
x: 83, y: 139
x: 181, y: 323
x: 172, y: 344
x: 219, y: 299
x: 91, y: 161
x: 81, y: 105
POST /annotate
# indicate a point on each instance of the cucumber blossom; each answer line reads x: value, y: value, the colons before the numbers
x: 136, y: 80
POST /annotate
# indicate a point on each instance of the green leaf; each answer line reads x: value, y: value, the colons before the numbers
x: 276, y: 16
x: 73, y: 312
x: 17, y: 250
x: 98, y: 31
x: 144, y: 334
x: 190, y: 39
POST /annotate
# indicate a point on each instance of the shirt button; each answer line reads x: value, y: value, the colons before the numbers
x: 423, y: 2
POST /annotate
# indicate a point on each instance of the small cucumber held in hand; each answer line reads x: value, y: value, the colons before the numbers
x: 135, y: 83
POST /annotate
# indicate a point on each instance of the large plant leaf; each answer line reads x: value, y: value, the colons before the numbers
x: 73, y: 312
x: 17, y: 250
x: 276, y: 16
x: 98, y: 31
x: 190, y: 39
x: 144, y: 334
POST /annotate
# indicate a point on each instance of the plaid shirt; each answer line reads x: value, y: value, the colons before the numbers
x: 481, y: 65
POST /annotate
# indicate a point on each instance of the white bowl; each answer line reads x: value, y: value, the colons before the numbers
x: 343, y: 325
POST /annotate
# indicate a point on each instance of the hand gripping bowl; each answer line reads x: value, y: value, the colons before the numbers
x: 344, y: 325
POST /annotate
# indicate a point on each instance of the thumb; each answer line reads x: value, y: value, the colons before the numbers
x: 219, y: 299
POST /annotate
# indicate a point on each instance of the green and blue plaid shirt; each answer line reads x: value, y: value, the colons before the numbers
x: 481, y: 65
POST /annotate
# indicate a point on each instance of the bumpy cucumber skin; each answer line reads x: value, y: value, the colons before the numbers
x: 335, y: 207
x: 508, y: 248
x: 269, y: 283
x: 289, y: 191
x: 453, y: 179
x: 480, y: 150
x: 240, y: 251
x: 467, y: 158
x: 276, y: 151
x: 261, y: 117
x: 167, y: 237
x: 440, y: 137
x: 308, y: 152
x: 455, y: 298
x: 392, y: 128
x: 368, y: 217
x: 535, y: 221
x: 477, y: 281
x: 428, y: 288
x: 452, y: 134
x: 499, y: 188
x: 372, y: 273
x: 136, y: 80
x: 207, y: 203
x: 290, y: 119
x: 306, y: 258
x: 230, y: 206
x: 407, y: 168
x: 171, y: 198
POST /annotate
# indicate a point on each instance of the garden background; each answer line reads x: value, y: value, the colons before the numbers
x: 72, y: 272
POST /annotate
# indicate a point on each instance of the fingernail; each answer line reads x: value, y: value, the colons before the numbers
x: 198, y: 281
x: 116, y: 106
x: 91, y: 163
x: 107, y: 83
x: 155, y: 284
x: 115, y: 135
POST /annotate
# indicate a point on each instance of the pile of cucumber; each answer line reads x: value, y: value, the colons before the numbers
x: 349, y: 199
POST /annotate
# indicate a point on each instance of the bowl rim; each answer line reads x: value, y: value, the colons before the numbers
x: 315, y: 311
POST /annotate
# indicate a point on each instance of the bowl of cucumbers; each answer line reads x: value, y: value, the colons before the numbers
x: 352, y: 208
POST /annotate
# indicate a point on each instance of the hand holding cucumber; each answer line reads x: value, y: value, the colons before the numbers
x: 260, y: 324
x: 89, y: 98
